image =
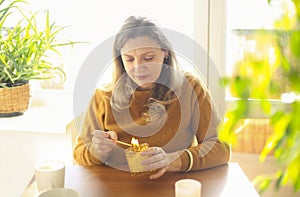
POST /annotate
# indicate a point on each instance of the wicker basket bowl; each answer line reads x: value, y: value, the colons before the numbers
x: 14, y: 100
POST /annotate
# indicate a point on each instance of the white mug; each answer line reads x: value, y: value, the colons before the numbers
x: 50, y: 174
x: 59, y: 192
x: 187, y: 188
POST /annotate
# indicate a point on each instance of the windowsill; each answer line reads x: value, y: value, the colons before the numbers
x: 49, y: 112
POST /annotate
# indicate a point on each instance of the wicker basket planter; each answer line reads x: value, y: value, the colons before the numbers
x: 14, y: 100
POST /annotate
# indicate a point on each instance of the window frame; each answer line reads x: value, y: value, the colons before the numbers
x: 210, y: 34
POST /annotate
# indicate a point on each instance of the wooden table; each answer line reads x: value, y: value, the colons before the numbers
x: 227, y: 180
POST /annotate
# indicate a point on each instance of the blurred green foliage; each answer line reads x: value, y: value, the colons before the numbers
x: 267, y: 70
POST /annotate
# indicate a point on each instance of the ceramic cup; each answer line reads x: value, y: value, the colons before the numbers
x: 187, y: 188
x: 59, y: 192
x: 50, y: 174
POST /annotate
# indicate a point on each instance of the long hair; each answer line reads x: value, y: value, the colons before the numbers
x: 169, y: 80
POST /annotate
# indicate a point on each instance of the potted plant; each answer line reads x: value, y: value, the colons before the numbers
x: 25, y: 53
x: 256, y: 76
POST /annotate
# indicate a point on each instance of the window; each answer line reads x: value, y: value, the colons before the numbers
x: 92, y: 21
x: 246, y: 20
x: 203, y: 21
x: 95, y: 21
x: 210, y: 31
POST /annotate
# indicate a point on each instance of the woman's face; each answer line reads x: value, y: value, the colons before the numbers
x: 143, y: 59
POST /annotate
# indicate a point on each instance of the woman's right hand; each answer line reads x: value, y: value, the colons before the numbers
x: 103, y: 142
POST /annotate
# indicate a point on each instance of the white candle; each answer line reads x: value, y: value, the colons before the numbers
x: 187, y: 188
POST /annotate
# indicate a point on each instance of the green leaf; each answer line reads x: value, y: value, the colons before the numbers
x: 266, y: 106
x: 224, y: 81
x: 47, y: 28
x: 264, y: 184
x: 277, y: 116
x: 279, y: 180
x: 295, y: 43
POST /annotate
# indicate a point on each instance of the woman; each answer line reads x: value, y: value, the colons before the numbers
x: 151, y: 99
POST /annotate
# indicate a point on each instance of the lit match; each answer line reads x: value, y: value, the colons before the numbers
x: 123, y: 143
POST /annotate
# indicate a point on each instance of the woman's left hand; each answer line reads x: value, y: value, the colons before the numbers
x: 160, y: 161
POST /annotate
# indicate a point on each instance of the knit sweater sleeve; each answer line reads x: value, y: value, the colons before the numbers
x: 83, y: 152
x: 210, y: 150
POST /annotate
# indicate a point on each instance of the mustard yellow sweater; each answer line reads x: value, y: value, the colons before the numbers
x: 191, y: 115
